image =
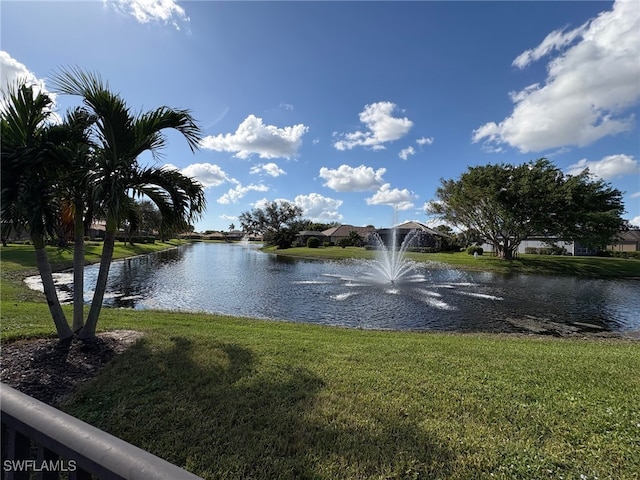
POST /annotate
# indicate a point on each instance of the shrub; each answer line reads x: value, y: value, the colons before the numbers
x: 344, y: 242
x: 313, y: 242
x: 422, y: 250
x: 552, y: 250
x: 617, y: 254
x: 136, y: 239
x: 475, y: 249
x: 327, y: 244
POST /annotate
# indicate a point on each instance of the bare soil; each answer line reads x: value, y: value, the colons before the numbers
x: 51, y: 370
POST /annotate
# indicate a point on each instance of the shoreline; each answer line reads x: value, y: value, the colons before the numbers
x: 523, y: 327
x: 604, y: 268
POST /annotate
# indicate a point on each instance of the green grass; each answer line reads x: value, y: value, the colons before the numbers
x: 525, y: 264
x: 21, y: 308
x: 237, y: 398
x: 233, y: 398
x: 15, y: 256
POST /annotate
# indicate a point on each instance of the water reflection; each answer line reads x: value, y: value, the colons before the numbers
x: 236, y: 280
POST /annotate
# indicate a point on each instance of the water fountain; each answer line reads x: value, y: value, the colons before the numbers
x: 390, y: 260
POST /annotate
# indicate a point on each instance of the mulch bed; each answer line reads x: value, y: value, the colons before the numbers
x: 51, y: 371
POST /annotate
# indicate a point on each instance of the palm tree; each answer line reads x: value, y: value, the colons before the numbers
x: 120, y: 138
x: 77, y: 156
x: 29, y: 177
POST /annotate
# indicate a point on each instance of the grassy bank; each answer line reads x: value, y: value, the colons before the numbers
x: 525, y: 264
x: 16, y: 256
x: 20, y: 309
x: 237, y: 398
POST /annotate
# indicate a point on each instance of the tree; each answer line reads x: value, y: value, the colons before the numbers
x: 306, y: 224
x: 120, y: 137
x: 448, y: 239
x: 150, y: 219
x: 29, y: 178
x: 506, y: 204
x: 355, y: 239
x: 593, y: 212
x: 75, y: 155
x: 276, y: 222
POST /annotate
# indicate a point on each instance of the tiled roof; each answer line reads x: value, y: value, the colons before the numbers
x: 629, y: 236
x: 343, y: 231
x: 419, y: 226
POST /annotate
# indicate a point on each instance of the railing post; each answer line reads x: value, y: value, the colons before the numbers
x: 46, y: 455
x: 79, y: 474
x: 18, y: 449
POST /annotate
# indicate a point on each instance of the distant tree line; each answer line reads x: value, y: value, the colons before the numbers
x: 501, y: 204
x: 279, y: 223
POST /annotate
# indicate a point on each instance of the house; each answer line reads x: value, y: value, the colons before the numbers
x: 253, y: 237
x: 334, y: 234
x: 530, y: 244
x: 235, y: 235
x: 10, y: 234
x: 303, y: 236
x: 215, y: 236
x: 628, y: 241
x: 97, y: 230
x: 424, y: 237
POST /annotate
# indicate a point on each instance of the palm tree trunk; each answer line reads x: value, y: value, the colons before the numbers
x: 78, y: 268
x: 89, y: 329
x: 50, y: 293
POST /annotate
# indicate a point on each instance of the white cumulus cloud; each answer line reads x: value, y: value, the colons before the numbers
x: 239, y: 191
x: 608, y: 167
x: 318, y: 208
x: 422, y: 141
x: 12, y: 71
x: 349, y: 179
x: 167, y: 12
x: 382, y: 127
x: 270, y: 169
x: 253, y: 136
x: 407, y: 152
x: 635, y: 221
x: 591, y: 84
x: 556, y: 40
x: 208, y: 174
x: 399, y: 199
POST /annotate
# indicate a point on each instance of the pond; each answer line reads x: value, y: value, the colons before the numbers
x: 241, y: 280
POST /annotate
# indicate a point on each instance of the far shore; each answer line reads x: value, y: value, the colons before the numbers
x: 579, y: 266
x: 592, y: 267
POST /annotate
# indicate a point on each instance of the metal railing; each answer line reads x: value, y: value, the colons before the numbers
x: 40, y: 439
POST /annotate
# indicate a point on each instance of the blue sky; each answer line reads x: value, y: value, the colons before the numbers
x: 351, y: 108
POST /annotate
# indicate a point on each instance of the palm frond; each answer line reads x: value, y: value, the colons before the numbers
x: 152, y: 122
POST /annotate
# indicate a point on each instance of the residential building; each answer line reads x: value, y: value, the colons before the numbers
x: 628, y: 241
x: 424, y: 236
x: 334, y: 234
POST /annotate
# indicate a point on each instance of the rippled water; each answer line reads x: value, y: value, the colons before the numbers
x: 242, y: 281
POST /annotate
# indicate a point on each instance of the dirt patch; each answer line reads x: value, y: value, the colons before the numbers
x: 51, y: 370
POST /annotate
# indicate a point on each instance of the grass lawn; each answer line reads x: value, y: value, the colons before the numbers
x: 524, y: 264
x: 237, y: 398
